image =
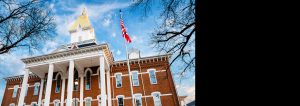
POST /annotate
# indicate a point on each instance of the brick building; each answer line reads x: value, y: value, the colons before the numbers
x: 84, y: 73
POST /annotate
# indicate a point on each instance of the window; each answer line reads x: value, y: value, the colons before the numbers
x: 138, y: 99
x: 120, y: 99
x: 33, y: 104
x: 12, y: 104
x: 15, y: 90
x: 58, y: 83
x: 88, y: 80
x: 118, y: 80
x: 99, y: 100
x: 36, y: 88
x: 152, y: 76
x: 75, y: 88
x: 75, y: 102
x: 156, y: 98
x: 88, y: 101
x: 26, y: 89
x: 56, y: 102
x: 135, y: 78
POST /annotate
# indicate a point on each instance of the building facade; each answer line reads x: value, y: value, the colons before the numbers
x: 84, y: 73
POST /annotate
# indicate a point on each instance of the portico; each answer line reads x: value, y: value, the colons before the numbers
x: 66, y: 62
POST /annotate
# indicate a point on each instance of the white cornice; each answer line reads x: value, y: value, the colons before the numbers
x: 63, y: 53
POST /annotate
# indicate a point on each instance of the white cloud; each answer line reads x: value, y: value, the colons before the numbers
x: 118, y: 52
x: 106, y: 22
x: 49, y: 46
x: 113, y: 34
x: 134, y: 38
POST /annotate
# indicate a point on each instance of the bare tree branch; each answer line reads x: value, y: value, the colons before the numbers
x: 176, y: 32
x: 25, y: 24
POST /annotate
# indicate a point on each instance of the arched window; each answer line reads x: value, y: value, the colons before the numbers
x: 56, y: 102
x: 75, y: 80
x: 88, y: 79
x: 58, y: 83
x: 12, y: 104
x: 36, y: 88
x: 88, y: 101
x: 34, y: 104
x: 156, y: 98
x: 120, y: 100
x: 75, y: 102
x: 138, y: 99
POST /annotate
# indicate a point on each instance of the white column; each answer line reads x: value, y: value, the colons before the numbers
x: 102, y: 77
x: 23, y: 89
x: 81, y: 88
x: 70, y: 83
x: 49, y: 84
x: 108, y: 89
x: 62, y: 98
x: 41, y: 91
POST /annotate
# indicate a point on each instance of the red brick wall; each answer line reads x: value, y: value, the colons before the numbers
x: 165, y: 85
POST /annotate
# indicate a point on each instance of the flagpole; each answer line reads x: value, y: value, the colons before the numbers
x: 128, y: 66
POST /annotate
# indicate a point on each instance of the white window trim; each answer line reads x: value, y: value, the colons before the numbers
x: 56, y: 100
x: 152, y: 94
x: 37, y: 84
x: 120, y: 96
x: 90, y: 70
x: 59, y: 73
x: 139, y: 94
x: 90, y: 98
x: 76, y: 99
x: 15, y: 87
x: 116, y: 79
x: 138, y: 82
x: 12, y: 104
x: 148, y: 70
x: 33, y: 103
x: 99, y: 102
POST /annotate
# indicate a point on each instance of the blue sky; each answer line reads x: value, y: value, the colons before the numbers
x: 104, y: 17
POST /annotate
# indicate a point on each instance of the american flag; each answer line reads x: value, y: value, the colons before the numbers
x: 124, y: 33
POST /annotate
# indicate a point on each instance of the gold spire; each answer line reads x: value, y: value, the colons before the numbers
x: 81, y: 20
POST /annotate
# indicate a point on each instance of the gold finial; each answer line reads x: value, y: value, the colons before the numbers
x: 84, y: 11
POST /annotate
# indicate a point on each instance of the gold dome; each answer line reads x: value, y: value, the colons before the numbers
x: 82, y: 20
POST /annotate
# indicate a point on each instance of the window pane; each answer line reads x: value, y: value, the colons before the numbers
x: 15, y: 91
x: 57, y: 89
x: 138, y: 100
x: 88, y: 81
x: 120, y: 101
x: 152, y: 77
x: 36, y: 90
x: 119, y: 80
x: 156, y: 98
x: 88, y: 102
x: 135, y: 79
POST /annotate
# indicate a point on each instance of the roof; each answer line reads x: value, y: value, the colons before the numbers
x: 19, y: 76
x: 82, y: 21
